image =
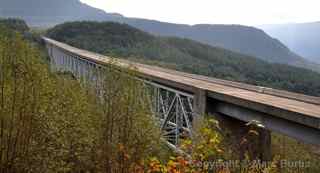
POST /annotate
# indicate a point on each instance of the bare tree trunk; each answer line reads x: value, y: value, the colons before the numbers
x: 2, y: 80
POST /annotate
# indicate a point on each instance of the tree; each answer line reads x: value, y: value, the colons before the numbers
x: 51, y: 123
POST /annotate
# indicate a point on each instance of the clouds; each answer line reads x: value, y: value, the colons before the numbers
x: 248, y: 12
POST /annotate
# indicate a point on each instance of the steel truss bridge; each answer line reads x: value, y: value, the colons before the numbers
x: 178, y: 97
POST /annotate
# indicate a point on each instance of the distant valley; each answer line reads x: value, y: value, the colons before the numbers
x: 303, y: 38
x: 242, y: 39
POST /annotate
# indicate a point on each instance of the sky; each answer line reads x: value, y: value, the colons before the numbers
x: 245, y: 12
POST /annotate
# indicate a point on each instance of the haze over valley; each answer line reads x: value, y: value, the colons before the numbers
x: 302, y: 38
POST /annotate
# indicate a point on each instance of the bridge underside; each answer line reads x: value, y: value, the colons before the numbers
x: 289, y: 128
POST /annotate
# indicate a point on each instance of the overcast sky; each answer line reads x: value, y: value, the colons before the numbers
x: 246, y: 12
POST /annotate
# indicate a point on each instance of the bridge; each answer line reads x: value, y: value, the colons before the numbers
x: 178, y: 97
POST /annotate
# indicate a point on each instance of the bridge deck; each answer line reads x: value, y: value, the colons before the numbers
x: 291, y: 106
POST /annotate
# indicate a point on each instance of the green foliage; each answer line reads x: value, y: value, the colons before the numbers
x: 129, y: 132
x: 42, y: 126
x: 50, y: 123
x: 120, y: 40
x: 295, y: 156
x: 15, y: 24
x: 20, y: 26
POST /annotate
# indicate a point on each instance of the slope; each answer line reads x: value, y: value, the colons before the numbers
x: 121, y: 40
x: 242, y: 39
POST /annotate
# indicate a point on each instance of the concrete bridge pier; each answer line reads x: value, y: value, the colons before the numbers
x: 243, y: 138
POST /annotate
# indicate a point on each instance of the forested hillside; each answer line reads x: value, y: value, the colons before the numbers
x: 15, y: 24
x: 20, y: 26
x: 242, y: 39
x: 120, y: 40
x: 246, y: 40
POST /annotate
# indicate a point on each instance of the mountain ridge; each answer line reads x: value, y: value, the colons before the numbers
x: 242, y: 39
x: 303, y: 38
